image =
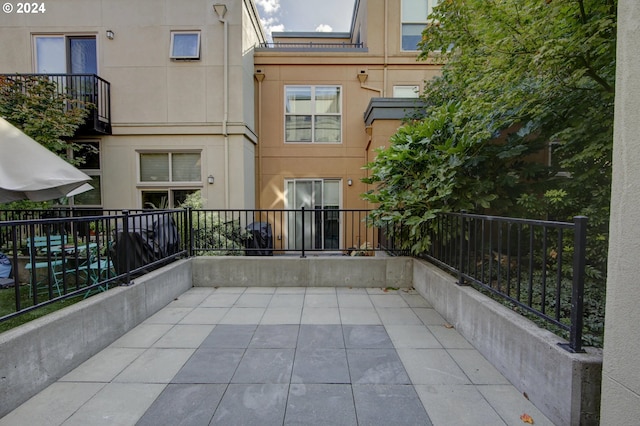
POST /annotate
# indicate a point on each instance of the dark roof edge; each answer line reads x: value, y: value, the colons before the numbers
x: 390, y: 109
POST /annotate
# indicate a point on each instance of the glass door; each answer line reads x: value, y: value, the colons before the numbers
x: 318, y: 228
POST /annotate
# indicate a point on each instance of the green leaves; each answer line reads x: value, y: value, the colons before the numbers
x: 518, y: 74
x: 39, y: 108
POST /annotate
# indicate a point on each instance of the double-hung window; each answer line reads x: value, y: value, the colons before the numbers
x: 168, y: 177
x: 313, y: 114
x: 414, y: 20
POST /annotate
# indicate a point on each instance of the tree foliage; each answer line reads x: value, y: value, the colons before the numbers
x: 518, y: 74
x: 38, y: 107
x: 50, y: 116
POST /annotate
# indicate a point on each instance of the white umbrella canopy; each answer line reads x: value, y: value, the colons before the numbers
x: 30, y: 171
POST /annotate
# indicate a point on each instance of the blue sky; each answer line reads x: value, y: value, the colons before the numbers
x: 305, y: 15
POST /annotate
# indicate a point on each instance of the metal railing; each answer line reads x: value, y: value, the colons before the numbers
x: 88, y: 90
x: 311, y: 45
x: 61, y: 258
x: 286, y: 231
x: 538, y: 267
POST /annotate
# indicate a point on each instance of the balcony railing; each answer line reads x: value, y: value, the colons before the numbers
x: 314, y: 45
x: 85, y: 90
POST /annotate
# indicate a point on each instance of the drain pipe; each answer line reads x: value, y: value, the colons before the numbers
x: 221, y: 11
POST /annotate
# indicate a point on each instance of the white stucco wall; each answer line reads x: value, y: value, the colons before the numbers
x: 621, y: 368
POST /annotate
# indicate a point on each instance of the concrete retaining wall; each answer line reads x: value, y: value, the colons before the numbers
x: 564, y: 386
x: 38, y: 353
x: 337, y: 271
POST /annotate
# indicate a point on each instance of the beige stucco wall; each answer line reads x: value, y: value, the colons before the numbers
x: 385, y: 66
x: 158, y: 103
x: 621, y: 370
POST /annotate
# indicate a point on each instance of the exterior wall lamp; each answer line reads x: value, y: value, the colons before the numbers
x: 210, y: 179
x: 110, y: 34
x: 349, y: 181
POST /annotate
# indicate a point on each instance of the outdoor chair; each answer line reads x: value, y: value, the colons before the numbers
x: 47, y: 272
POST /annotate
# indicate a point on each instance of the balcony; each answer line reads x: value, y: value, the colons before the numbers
x: 311, y: 46
x: 84, y: 90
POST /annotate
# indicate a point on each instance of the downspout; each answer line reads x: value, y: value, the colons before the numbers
x: 386, y: 47
x: 260, y: 77
x: 221, y: 10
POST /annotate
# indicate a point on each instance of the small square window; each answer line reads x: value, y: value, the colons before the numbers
x: 185, y: 45
x: 406, y: 91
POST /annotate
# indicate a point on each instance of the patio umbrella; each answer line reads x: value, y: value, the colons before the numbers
x: 30, y: 171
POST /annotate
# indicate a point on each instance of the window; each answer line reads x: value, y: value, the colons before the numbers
x: 170, y: 167
x: 322, y: 229
x: 60, y: 54
x: 414, y: 20
x: 169, y: 177
x: 554, y: 161
x: 313, y: 114
x: 165, y: 199
x: 185, y: 45
x: 90, y: 153
x: 406, y: 91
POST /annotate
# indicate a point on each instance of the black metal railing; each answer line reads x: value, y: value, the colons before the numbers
x: 311, y: 45
x: 86, y: 91
x: 538, y: 267
x: 54, y: 259
x: 286, y: 231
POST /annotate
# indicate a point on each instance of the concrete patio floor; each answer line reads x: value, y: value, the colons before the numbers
x: 285, y: 356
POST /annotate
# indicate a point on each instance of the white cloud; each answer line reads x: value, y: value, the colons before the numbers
x: 271, y: 25
x: 324, y: 28
x: 268, y: 6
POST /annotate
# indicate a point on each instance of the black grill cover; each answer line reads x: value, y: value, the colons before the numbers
x: 150, y: 238
x: 260, y: 242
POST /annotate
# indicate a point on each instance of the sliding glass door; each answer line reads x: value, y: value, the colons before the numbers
x: 318, y: 228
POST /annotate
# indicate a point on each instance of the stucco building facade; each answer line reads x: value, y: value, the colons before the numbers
x: 191, y: 97
x: 179, y: 100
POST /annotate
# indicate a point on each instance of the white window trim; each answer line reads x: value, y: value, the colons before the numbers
x: 313, y: 114
x: 168, y: 184
x: 430, y: 5
x: 93, y: 172
x: 66, y: 37
x: 185, y: 57
x: 407, y: 86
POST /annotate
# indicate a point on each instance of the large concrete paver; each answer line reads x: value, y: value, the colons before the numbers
x: 294, y: 356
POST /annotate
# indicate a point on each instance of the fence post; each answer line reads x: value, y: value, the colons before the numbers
x: 461, y: 260
x: 577, y: 294
x: 303, y: 229
x: 125, y: 249
x: 188, y: 234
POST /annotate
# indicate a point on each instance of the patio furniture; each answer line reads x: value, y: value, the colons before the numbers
x: 52, y: 267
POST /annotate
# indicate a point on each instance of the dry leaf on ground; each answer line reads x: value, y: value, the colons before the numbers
x: 526, y: 418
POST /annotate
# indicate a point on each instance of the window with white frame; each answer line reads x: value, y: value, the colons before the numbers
x: 313, y: 114
x: 167, y: 178
x: 185, y: 45
x: 414, y: 20
x: 90, y: 154
x: 65, y: 54
x: 406, y: 91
